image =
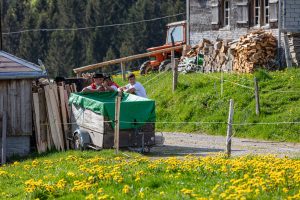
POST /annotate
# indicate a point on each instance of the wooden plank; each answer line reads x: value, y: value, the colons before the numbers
x: 67, y: 105
x: 36, y: 114
x: 39, y: 122
x: 43, y: 119
x: 53, y: 130
x: 63, y: 110
x: 68, y: 88
x: 71, y: 89
x: 26, y: 107
x: 74, y: 87
x: 55, y: 90
x: 56, y: 116
x: 11, y: 108
x: 125, y: 59
x: 4, y: 133
x: 46, y: 124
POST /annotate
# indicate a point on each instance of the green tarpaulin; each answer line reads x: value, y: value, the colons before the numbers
x: 134, y: 109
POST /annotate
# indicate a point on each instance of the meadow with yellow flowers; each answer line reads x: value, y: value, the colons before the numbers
x: 104, y: 175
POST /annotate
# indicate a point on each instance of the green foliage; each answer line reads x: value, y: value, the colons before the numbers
x: 198, y: 99
x: 62, y: 51
x: 262, y: 74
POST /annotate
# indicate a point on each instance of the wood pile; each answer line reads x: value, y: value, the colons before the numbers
x: 254, y: 50
x: 215, y: 54
x: 52, y: 115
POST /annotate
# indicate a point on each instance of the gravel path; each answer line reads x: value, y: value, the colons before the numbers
x: 181, y: 144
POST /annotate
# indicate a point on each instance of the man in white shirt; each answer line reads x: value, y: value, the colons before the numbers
x: 134, y: 87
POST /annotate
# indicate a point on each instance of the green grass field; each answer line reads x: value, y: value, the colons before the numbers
x: 198, y: 99
x: 103, y: 175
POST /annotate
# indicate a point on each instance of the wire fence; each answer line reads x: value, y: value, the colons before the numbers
x: 90, y: 27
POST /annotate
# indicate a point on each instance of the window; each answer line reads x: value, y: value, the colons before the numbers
x: 257, y: 12
x: 261, y: 14
x: 177, y: 34
x: 267, y: 14
x: 226, y: 12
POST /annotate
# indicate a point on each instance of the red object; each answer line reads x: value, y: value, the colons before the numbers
x: 93, y: 85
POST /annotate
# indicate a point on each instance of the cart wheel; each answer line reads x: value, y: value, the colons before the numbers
x: 147, y: 150
x: 77, y: 143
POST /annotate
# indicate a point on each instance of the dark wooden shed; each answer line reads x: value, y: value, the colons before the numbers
x: 16, y: 76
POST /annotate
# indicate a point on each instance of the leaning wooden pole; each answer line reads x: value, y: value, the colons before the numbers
x: 175, y: 70
x: 123, y: 71
x: 229, y: 128
x: 4, y: 130
x: 117, y: 122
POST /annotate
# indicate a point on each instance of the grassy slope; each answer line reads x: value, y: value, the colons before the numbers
x: 198, y: 99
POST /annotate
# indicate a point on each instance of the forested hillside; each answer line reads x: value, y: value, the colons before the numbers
x: 63, y: 50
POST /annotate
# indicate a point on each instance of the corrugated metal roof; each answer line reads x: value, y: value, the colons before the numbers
x: 12, y: 67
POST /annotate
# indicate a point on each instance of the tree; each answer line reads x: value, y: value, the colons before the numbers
x: 64, y: 50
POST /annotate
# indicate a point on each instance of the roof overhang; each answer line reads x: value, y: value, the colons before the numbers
x: 34, y: 72
x: 177, y: 23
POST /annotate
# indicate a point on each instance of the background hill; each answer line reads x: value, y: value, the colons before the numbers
x: 61, y: 51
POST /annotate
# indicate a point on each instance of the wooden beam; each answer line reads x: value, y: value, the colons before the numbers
x: 125, y: 59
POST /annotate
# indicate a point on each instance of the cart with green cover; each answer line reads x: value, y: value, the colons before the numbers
x: 93, y: 114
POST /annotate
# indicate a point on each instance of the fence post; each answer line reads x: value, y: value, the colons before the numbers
x: 222, y: 82
x: 229, y: 128
x: 175, y: 70
x: 117, y: 122
x: 4, y: 130
x: 257, y: 109
x: 123, y: 71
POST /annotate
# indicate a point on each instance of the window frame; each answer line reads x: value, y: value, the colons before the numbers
x: 226, y: 10
x: 257, y: 15
x: 260, y: 13
x: 266, y: 12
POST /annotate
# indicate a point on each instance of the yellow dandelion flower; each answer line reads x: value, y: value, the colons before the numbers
x: 90, y: 197
x: 71, y: 174
x: 126, y: 189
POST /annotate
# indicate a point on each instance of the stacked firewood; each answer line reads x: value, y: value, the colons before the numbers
x: 254, y: 50
x: 215, y: 54
x: 52, y: 116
